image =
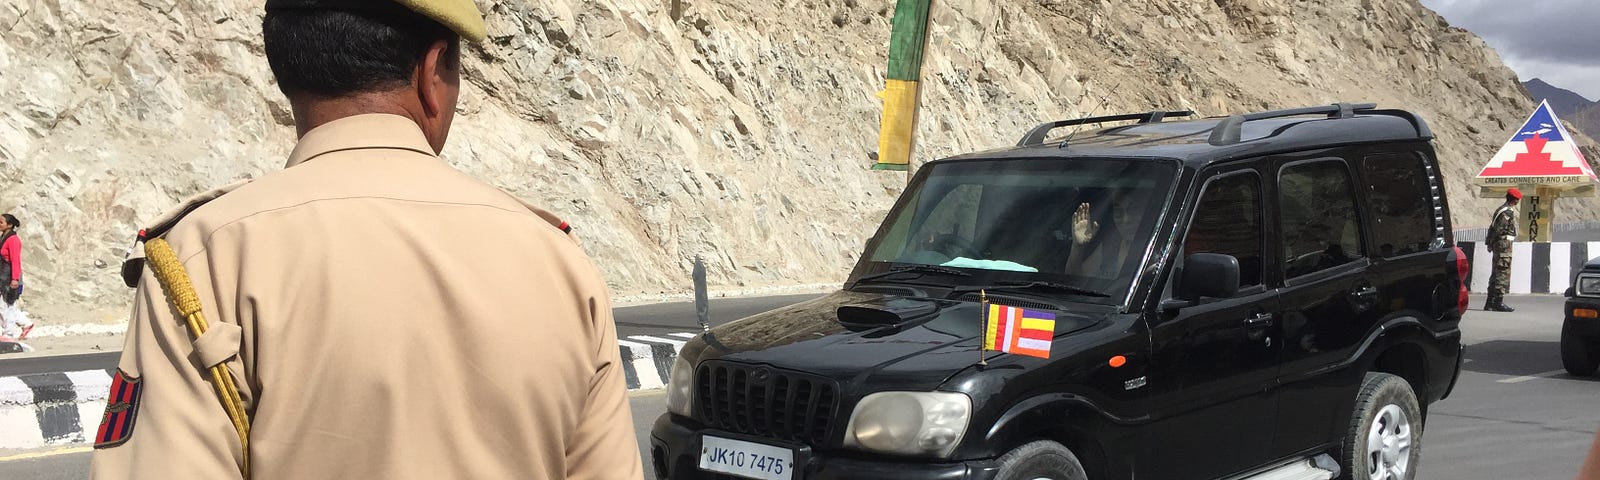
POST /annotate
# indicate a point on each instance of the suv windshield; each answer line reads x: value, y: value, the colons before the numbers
x: 1080, y: 223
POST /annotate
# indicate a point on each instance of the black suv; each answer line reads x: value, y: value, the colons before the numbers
x: 1267, y: 295
x: 1580, y: 330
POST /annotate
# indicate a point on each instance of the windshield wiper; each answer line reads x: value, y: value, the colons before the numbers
x: 1053, y: 286
x: 924, y: 269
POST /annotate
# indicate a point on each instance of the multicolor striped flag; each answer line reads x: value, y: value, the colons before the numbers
x: 1018, y: 330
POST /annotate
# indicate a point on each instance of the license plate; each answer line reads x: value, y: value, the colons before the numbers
x: 745, y: 459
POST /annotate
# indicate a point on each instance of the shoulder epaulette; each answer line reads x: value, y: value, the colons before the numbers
x: 548, y: 217
x: 133, y: 260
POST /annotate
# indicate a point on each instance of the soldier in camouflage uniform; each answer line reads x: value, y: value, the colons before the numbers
x: 1502, y: 232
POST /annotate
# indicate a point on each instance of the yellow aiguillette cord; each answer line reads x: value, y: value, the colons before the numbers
x: 180, y: 291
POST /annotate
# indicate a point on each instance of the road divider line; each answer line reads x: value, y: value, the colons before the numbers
x: 1535, y: 376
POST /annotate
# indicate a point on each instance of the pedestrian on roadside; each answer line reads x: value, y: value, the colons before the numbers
x: 15, y: 323
x: 340, y: 335
x: 1502, y: 233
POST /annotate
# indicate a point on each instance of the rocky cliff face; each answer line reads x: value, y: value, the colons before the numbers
x: 665, y: 129
x: 1586, y: 121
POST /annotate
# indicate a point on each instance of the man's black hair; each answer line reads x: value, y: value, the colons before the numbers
x: 334, y: 52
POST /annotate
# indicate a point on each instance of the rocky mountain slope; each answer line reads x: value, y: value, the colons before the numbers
x: 665, y: 129
x: 1588, y: 122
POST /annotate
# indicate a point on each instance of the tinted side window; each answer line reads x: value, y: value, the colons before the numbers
x: 1402, y: 209
x: 1227, y: 220
x: 1317, y: 211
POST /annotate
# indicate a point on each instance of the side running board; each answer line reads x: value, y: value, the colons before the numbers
x: 1320, y: 467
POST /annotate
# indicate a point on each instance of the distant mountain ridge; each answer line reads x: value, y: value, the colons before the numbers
x: 1582, y: 113
x: 1564, y: 102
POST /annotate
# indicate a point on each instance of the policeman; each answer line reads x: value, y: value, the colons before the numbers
x: 1502, y: 232
x: 367, y: 312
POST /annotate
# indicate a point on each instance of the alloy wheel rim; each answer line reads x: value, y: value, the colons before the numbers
x: 1389, y: 445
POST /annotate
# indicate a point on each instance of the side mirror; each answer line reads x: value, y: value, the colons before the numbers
x: 1209, y: 275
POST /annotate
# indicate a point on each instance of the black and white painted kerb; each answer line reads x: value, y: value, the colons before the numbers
x: 1543, y: 267
x: 647, y: 359
x: 65, y: 408
x: 51, y: 408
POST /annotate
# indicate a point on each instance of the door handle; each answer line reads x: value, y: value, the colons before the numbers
x: 1365, y: 292
x: 1259, y: 320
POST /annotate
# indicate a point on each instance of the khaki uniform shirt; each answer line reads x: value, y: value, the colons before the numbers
x: 387, y: 317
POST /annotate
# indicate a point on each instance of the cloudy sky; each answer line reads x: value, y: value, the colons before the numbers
x: 1556, y: 40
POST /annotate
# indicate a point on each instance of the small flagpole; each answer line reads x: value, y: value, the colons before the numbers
x: 983, y: 320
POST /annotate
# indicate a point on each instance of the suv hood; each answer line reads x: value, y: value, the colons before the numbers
x: 932, y: 340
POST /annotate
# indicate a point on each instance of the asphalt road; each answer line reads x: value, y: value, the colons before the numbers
x: 680, y: 317
x: 656, y: 319
x: 57, y: 363
x: 1514, y: 413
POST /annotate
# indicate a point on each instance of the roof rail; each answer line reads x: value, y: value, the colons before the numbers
x: 1416, y: 121
x: 1227, y: 131
x: 1038, y: 134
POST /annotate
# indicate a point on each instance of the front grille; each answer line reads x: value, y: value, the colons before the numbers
x: 766, y: 402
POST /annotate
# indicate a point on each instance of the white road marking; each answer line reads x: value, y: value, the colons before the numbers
x: 1535, y: 376
x: 639, y: 350
x: 676, y: 344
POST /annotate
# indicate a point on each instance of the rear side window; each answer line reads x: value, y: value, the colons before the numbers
x: 1402, y: 207
x: 1227, y: 220
x: 1317, y: 211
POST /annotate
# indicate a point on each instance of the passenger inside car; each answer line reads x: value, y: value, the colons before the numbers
x: 1101, y: 246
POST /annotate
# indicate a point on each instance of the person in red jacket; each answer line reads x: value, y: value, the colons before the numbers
x: 11, y: 275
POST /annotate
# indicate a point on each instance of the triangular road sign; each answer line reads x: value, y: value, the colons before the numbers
x: 1539, y: 153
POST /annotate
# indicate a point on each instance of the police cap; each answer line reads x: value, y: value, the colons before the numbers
x: 462, y: 16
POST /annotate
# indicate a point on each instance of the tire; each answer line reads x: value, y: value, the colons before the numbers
x: 1041, y: 460
x: 1386, y: 416
x: 1578, y: 355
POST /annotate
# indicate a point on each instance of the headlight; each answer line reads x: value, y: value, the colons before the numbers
x: 910, y: 423
x: 1589, y: 286
x: 680, y: 388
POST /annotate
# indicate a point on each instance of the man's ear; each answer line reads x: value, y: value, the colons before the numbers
x: 434, y: 79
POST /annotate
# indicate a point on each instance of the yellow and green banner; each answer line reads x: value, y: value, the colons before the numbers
x: 899, y: 95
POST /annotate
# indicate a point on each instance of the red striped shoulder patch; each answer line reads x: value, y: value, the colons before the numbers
x: 122, y: 408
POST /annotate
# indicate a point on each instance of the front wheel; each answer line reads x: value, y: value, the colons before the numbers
x: 1578, y: 355
x: 1384, y: 441
x: 1041, y: 460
